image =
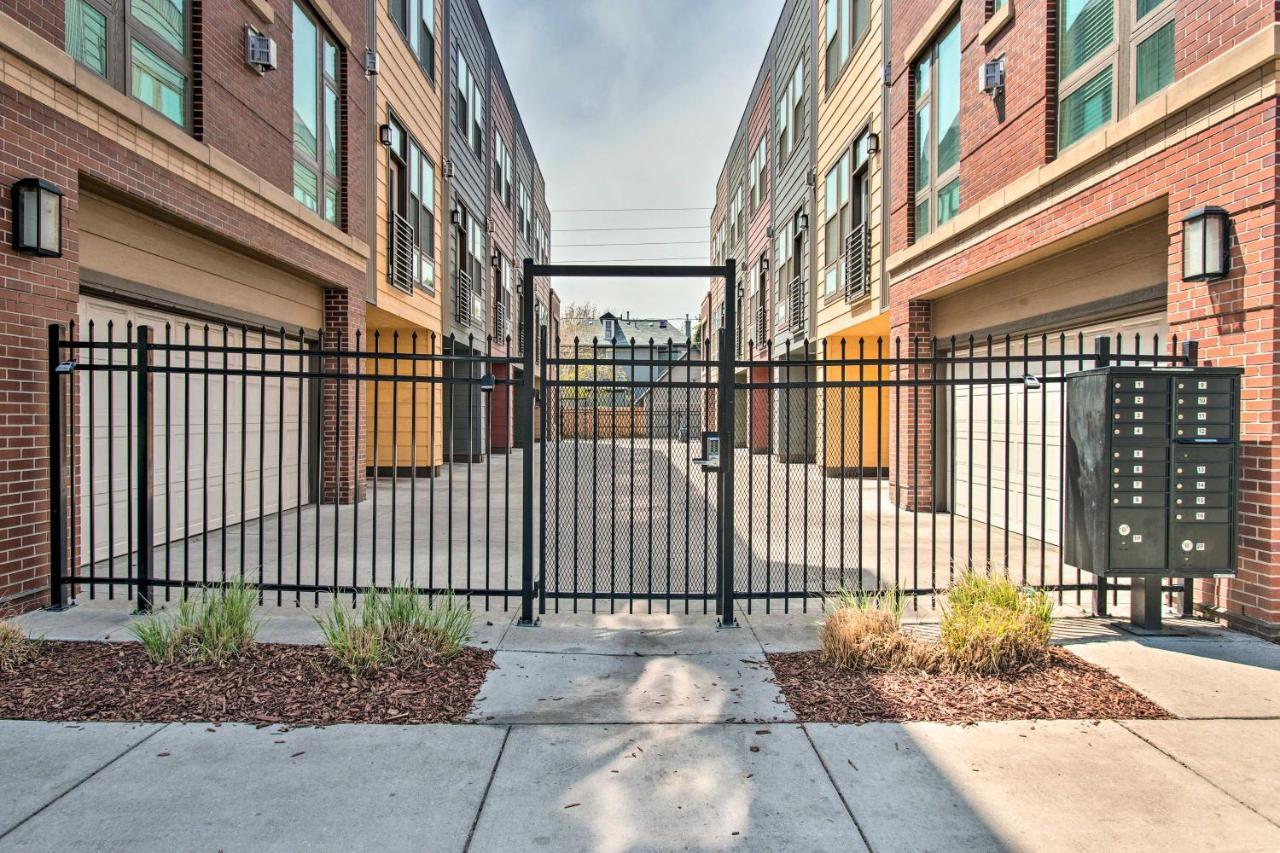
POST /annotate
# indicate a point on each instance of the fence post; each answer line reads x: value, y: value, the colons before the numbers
x: 526, y: 400
x: 57, y: 505
x: 1190, y: 358
x: 145, y: 514
x: 1101, y: 358
x: 725, y: 596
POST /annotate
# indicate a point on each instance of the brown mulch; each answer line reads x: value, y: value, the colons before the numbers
x: 1066, y: 689
x: 271, y: 683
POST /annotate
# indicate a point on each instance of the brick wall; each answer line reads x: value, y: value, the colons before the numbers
x: 911, y: 408
x: 244, y: 115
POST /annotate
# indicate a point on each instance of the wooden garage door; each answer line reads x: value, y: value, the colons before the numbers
x: 1024, y: 421
x: 204, y: 461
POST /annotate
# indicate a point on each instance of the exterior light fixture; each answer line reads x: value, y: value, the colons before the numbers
x: 37, y: 218
x: 873, y: 143
x: 764, y: 263
x: 802, y: 221
x: 384, y: 134
x: 1206, y: 234
x: 487, y: 383
x: 496, y: 260
x: 455, y: 216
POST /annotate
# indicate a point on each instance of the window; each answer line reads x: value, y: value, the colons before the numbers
x: 469, y: 105
x: 758, y: 176
x: 502, y: 171
x: 837, y: 222
x: 781, y: 274
x: 416, y: 20
x: 1113, y: 55
x: 526, y: 212
x: 142, y: 48
x: 471, y: 307
x: 411, y: 203
x: 844, y: 23
x: 737, y: 219
x: 502, y: 298
x: 315, y: 116
x: 791, y: 114
x: 937, y: 132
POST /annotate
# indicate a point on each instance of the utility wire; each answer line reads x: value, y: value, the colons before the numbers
x: 655, y: 243
x: 591, y: 261
x: 624, y: 209
x: 638, y: 228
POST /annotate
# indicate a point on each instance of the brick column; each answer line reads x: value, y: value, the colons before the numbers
x: 1235, y: 324
x: 911, y: 408
x: 342, y: 424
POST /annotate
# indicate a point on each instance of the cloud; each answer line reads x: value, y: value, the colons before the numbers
x: 631, y: 104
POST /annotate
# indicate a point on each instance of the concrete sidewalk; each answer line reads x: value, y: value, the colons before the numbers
x: 623, y: 733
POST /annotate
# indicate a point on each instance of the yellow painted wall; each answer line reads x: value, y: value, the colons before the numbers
x: 393, y: 434
x: 853, y: 418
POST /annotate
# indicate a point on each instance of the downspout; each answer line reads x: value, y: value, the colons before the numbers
x: 371, y: 154
x: 886, y: 53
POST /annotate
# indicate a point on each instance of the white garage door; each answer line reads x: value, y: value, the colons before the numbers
x: 1027, y: 422
x: 189, y: 413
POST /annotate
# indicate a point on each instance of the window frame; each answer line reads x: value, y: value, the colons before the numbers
x: 468, y: 105
x: 1127, y: 33
x: 502, y: 170
x: 325, y: 178
x: 852, y: 24
x: 926, y: 100
x: 758, y: 175
x: 405, y: 9
x: 400, y: 172
x: 788, y: 114
x: 122, y: 29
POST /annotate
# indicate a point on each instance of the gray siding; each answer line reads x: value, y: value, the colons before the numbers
x: 469, y: 184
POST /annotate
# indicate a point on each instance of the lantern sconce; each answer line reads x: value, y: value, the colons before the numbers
x: 37, y: 218
x: 873, y: 143
x: 384, y: 134
x: 1206, y: 249
x: 802, y: 221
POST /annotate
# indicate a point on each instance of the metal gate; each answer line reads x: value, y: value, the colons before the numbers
x: 695, y: 477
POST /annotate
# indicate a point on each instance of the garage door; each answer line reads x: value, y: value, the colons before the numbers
x: 249, y: 465
x: 1022, y: 423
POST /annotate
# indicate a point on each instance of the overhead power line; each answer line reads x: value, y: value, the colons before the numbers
x: 638, y: 228
x: 655, y: 243
x: 624, y: 209
x: 589, y: 261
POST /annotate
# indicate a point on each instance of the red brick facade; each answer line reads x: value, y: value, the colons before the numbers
x: 1226, y: 157
x: 243, y: 115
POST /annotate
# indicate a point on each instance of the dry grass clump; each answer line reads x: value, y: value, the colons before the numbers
x: 990, y: 625
x: 15, y: 647
x: 213, y: 626
x: 398, y: 628
x: 863, y: 630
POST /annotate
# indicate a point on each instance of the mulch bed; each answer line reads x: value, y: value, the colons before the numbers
x: 271, y: 683
x: 1066, y: 689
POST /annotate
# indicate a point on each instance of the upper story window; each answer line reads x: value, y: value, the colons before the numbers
x: 737, y: 219
x: 411, y: 206
x: 416, y: 20
x: 316, y: 136
x: 469, y: 104
x: 502, y: 170
x: 759, y: 175
x: 937, y: 131
x: 526, y: 212
x: 1113, y: 55
x: 791, y: 113
x: 142, y: 48
x: 844, y: 22
x: 837, y: 222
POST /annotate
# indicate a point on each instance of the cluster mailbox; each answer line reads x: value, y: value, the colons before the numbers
x: 1151, y: 471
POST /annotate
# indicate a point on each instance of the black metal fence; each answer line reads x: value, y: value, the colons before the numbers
x: 196, y: 456
x: 190, y: 456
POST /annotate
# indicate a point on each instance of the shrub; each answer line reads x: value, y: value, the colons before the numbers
x: 990, y: 625
x: 15, y: 647
x: 863, y: 630
x: 212, y: 626
x: 398, y: 627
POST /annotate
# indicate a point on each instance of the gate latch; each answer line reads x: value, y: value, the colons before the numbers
x: 66, y: 366
x: 709, y: 461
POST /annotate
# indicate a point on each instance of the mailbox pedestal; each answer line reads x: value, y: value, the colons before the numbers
x: 1151, y: 476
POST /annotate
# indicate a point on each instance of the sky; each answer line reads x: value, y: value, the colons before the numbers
x: 631, y: 104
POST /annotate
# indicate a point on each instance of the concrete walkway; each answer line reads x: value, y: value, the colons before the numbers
x: 622, y: 733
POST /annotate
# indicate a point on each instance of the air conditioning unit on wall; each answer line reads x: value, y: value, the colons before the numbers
x: 991, y: 77
x: 259, y: 50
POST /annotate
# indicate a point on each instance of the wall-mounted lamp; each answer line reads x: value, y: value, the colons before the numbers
x: 385, y: 134
x: 1206, y: 254
x: 764, y: 263
x: 37, y: 218
x: 873, y: 143
x: 802, y: 221
x: 496, y: 260
x: 455, y: 216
